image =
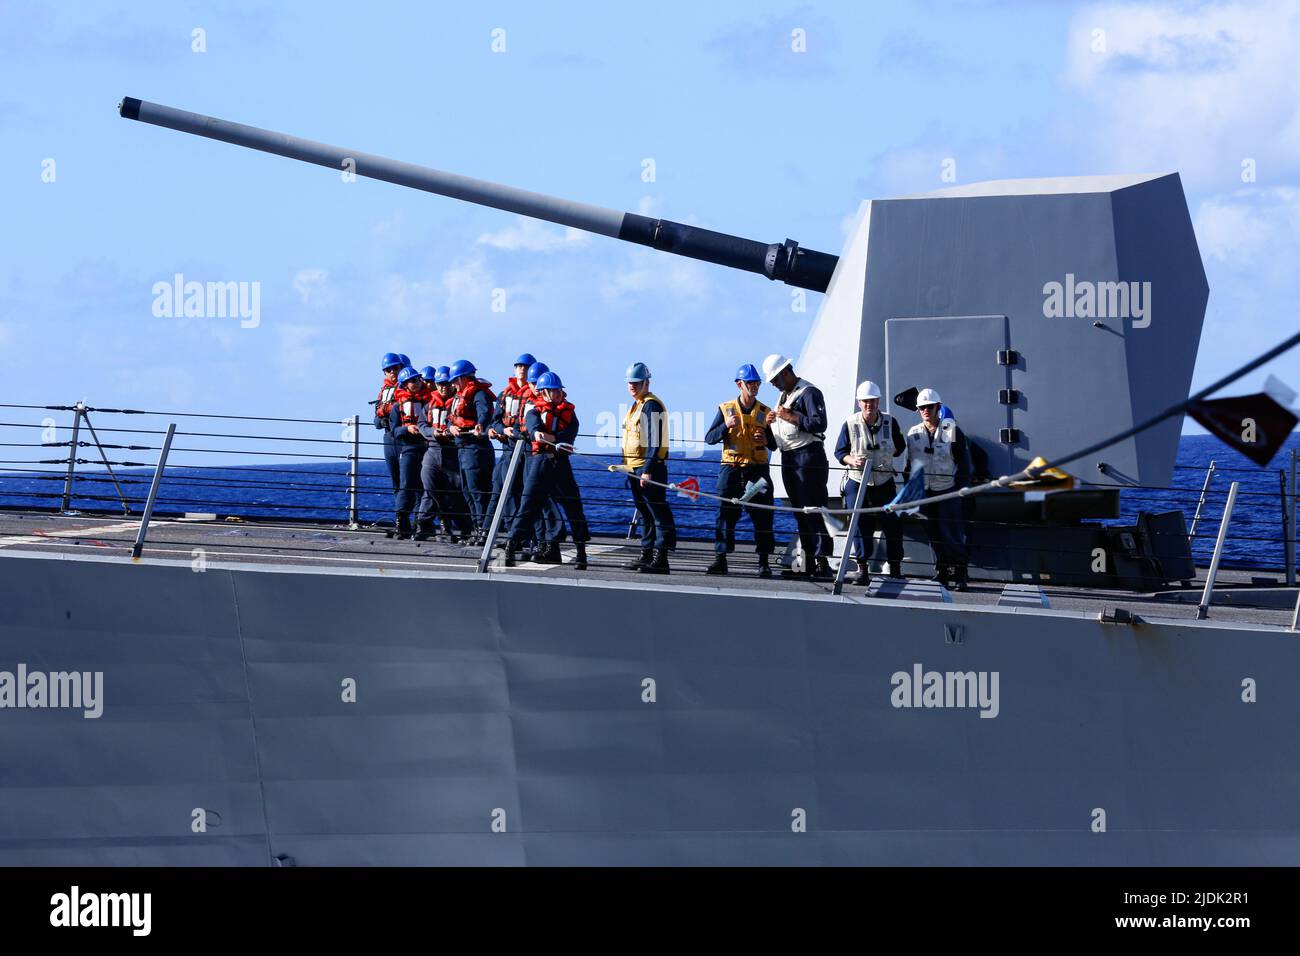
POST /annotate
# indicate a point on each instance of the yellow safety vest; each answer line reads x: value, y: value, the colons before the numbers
x: 739, y: 446
x: 634, y: 443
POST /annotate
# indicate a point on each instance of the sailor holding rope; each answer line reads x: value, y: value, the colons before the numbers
x: 868, y: 444
x: 741, y: 427
x: 645, y: 453
x: 940, y: 447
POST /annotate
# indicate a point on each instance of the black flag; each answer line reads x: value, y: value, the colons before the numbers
x: 907, y: 399
x: 1255, y: 425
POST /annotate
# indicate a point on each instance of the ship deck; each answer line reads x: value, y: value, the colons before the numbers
x: 1244, y: 597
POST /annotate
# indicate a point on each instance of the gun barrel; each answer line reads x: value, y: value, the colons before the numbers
x: 804, y: 268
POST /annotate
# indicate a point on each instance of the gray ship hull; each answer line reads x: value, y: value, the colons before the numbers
x: 507, y: 719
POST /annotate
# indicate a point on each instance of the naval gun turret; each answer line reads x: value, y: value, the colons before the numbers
x: 1051, y: 314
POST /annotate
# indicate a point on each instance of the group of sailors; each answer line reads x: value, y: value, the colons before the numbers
x: 440, y: 426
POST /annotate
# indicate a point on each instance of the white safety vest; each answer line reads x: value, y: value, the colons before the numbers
x: 934, y: 453
x: 877, y: 450
x: 788, y: 435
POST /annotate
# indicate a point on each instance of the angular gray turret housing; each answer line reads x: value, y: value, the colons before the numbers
x: 1049, y: 313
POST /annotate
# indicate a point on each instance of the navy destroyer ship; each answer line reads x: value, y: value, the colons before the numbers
x: 1095, y: 698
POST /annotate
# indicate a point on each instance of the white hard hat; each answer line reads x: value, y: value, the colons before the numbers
x: 868, y: 389
x: 928, y: 396
x: 773, y: 364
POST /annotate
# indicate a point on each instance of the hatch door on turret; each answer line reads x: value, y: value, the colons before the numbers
x: 969, y: 360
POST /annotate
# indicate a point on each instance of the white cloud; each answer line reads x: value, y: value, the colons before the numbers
x: 1250, y: 228
x: 313, y: 286
x: 646, y: 271
x: 298, y: 355
x: 402, y: 301
x: 467, y: 286
x: 533, y: 236
x: 650, y: 206
x: 1196, y: 88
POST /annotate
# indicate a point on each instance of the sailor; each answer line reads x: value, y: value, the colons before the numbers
x: 507, y: 424
x: 741, y: 426
x: 469, y: 417
x: 940, y: 447
x: 441, y: 467
x: 552, y: 424
x: 868, y: 444
x: 550, y: 526
x: 799, y: 426
x: 428, y: 511
x: 645, y: 453
x: 390, y: 364
x: 408, y: 411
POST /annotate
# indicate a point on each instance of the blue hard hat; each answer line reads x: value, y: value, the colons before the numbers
x: 637, y: 372
x: 535, y: 371
x: 548, y: 380
x: 428, y: 373
x: 946, y: 412
x: 406, y: 374
x: 461, y: 367
x: 747, y: 373
x: 443, y: 375
x: 389, y: 360
x: 405, y: 359
x: 526, y: 360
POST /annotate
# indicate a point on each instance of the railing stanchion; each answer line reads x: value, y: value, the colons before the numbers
x: 1295, y: 615
x: 72, y: 457
x: 353, y: 467
x: 1203, y: 610
x: 1200, y: 505
x: 126, y: 509
x: 138, y: 547
x: 1291, y: 534
x: 853, y: 528
x: 486, y: 557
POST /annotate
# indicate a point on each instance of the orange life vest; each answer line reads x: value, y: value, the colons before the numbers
x: 384, y: 404
x: 513, y: 397
x: 555, y: 419
x: 406, y: 401
x: 463, y: 401
x: 435, y: 413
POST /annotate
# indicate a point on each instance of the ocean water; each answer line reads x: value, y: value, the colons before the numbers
x: 320, y: 491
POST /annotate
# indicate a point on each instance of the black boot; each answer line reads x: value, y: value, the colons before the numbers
x: 959, y: 579
x: 659, y: 564
x: 510, y: 554
x: 719, y: 565
x: 580, y: 562
x: 863, y: 577
x: 636, y: 564
x: 764, y: 569
x: 403, y: 527
x: 821, y: 570
x: 895, y: 571
x: 423, y: 530
x: 941, y: 574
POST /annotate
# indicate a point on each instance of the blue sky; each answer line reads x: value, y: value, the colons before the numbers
x: 746, y: 137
